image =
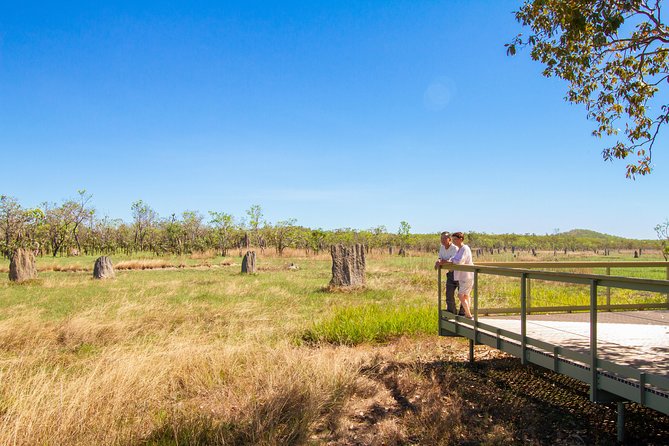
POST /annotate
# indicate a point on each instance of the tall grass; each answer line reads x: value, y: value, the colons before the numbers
x: 183, y: 390
x: 372, y: 323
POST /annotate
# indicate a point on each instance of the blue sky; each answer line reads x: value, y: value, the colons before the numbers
x: 338, y: 114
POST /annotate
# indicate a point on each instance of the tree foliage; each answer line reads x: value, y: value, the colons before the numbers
x: 662, y: 231
x: 50, y: 230
x: 614, y: 55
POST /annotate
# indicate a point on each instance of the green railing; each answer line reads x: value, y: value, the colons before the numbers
x: 609, y: 381
x: 607, y: 266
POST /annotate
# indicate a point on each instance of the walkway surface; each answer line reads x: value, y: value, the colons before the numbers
x: 636, y: 338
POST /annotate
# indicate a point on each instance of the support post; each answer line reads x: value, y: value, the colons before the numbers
x: 667, y: 279
x: 528, y: 292
x: 593, y: 340
x: 620, y: 425
x: 439, y: 299
x: 471, y: 351
x: 608, y: 290
x: 475, y: 296
x: 523, y: 317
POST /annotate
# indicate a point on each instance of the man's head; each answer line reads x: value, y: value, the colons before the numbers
x: 458, y: 238
x: 446, y: 239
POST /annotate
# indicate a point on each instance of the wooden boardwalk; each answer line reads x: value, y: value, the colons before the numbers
x: 638, y: 339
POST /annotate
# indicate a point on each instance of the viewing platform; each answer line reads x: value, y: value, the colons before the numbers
x: 610, y: 332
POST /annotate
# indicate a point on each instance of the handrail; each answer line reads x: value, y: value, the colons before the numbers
x: 584, y: 264
x: 654, y: 285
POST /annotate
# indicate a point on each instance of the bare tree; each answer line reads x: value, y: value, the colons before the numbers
x: 80, y: 213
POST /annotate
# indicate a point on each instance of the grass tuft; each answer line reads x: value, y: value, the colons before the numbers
x: 372, y: 323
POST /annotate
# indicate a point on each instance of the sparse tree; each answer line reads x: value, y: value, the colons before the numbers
x: 224, y: 226
x: 59, y: 223
x: 144, y: 217
x: 254, y: 214
x: 12, y: 220
x: 662, y: 231
x: 316, y: 240
x: 193, y: 231
x: 615, y: 57
x: 404, y: 232
x: 173, y: 235
x: 283, y: 234
x: 81, y: 211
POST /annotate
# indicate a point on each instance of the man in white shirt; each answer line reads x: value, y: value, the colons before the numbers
x: 465, y: 278
x: 447, y: 251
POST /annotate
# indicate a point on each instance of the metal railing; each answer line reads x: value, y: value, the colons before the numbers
x: 608, y: 266
x: 609, y: 381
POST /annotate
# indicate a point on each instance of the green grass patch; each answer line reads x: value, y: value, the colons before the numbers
x: 372, y: 323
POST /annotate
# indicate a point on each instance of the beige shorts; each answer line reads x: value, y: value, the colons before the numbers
x: 465, y: 287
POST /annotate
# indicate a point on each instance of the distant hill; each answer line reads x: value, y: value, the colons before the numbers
x: 587, y: 233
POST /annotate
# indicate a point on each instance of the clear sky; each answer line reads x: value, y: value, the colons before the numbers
x: 339, y: 114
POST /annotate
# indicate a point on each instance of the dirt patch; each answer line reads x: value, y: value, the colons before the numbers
x: 428, y: 393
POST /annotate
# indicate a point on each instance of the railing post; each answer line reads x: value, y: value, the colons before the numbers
x: 523, y: 317
x: 668, y: 279
x: 620, y: 425
x: 528, y: 293
x: 475, y: 296
x: 593, y: 340
x: 608, y: 290
x: 439, y: 299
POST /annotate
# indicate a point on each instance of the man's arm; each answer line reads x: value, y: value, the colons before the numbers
x: 457, y: 258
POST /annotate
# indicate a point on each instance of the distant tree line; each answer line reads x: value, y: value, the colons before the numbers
x: 73, y: 227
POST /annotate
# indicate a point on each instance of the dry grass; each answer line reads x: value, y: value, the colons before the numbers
x: 180, y: 389
x: 146, y: 264
x: 209, y: 356
x: 45, y: 267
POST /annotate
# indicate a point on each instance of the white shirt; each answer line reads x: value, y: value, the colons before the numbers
x: 447, y: 253
x: 463, y: 257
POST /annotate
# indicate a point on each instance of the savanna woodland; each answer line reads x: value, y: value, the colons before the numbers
x: 72, y: 227
x: 180, y: 348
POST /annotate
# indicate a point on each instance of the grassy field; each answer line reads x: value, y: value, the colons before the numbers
x: 189, y: 351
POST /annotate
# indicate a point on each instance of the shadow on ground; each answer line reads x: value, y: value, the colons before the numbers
x: 496, y: 400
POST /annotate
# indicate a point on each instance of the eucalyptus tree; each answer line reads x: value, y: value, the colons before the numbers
x: 614, y: 55
x: 316, y: 240
x: 194, y: 231
x: 173, y: 235
x: 144, y: 218
x: 255, y: 215
x: 59, y: 221
x: 224, y: 228
x: 404, y: 232
x: 11, y: 223
x: 284, y: 234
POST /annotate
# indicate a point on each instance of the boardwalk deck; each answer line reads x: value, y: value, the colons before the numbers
x: 639, y: 339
